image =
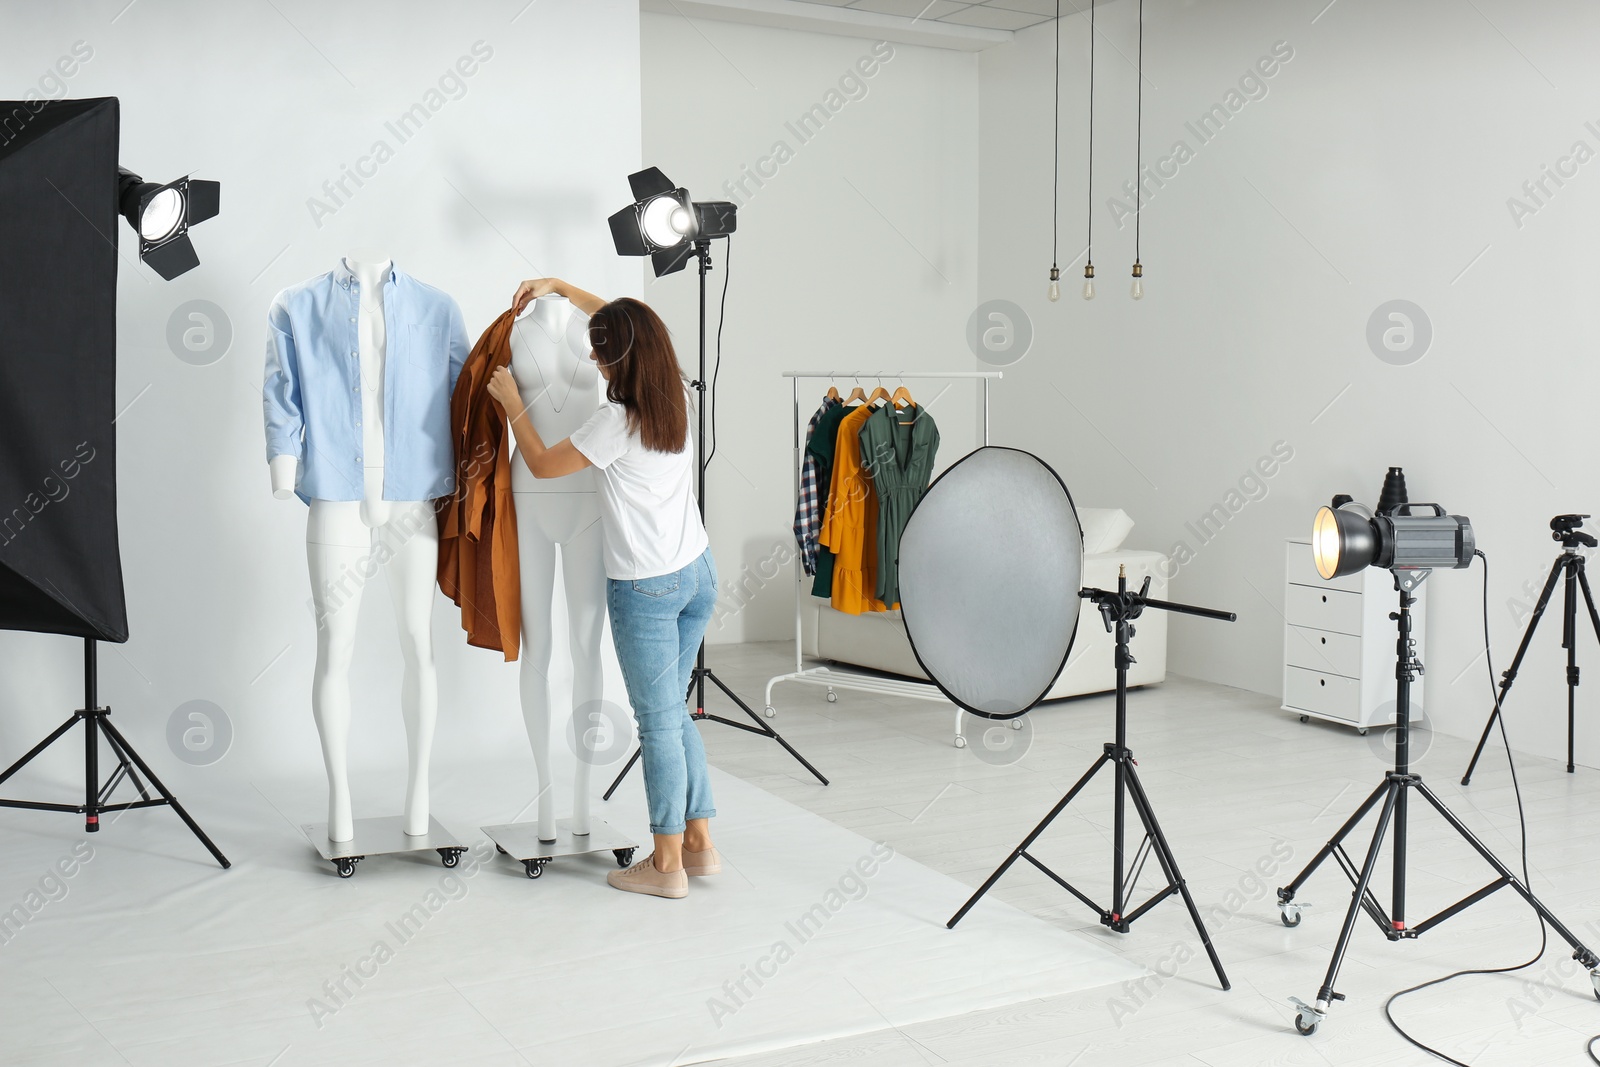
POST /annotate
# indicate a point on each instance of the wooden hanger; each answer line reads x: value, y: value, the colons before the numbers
x: 880, y: 393
x: 833, y: 394
x: 902, y: 395
x: 856, y: 395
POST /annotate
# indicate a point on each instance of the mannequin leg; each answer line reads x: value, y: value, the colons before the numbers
x: 411, y: 538
x: 336, y: 549
x: 536, y: 559
x: 583, y: 572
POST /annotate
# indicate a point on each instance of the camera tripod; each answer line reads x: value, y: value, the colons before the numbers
x: 1393, y: 792
x: 1119, y: 609
x: 1570, y: 564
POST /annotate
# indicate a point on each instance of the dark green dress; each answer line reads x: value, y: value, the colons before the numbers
x: 821, y: 445
x: 898, y: 447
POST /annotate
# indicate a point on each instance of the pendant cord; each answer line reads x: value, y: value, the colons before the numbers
x: 1091, y: 136
x: 1138, y: 150
x: 1055, y: 188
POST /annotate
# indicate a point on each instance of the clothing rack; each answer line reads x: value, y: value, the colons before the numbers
x: 839, y: 677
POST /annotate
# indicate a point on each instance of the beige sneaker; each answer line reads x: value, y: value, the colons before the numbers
x: 702, y: 863
x: 643, y: 877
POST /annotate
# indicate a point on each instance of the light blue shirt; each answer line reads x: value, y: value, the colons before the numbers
x: 312, y: 395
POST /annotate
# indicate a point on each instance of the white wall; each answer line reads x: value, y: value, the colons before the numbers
x: 1377, y: 166
x: 860, y: 251
x: 511, y: 177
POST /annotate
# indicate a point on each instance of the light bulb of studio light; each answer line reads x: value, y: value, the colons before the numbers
x: 1088, y: 281
x: 1137, y: 292
x: 1055, y: 284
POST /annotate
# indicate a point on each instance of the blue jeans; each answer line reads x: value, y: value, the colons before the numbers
x: 657, y: 625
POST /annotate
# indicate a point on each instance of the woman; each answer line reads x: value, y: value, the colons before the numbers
x: 661, y: 581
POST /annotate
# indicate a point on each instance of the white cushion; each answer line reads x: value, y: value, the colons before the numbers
x: 1104, y: 529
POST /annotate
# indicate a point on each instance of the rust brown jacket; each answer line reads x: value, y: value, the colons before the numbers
x: 478, y: 522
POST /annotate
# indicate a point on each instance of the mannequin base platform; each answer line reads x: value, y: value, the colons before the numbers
x: 520, y: 841
x: 382, y: 837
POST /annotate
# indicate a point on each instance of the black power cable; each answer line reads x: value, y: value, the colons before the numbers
x: 1522, y: 821
x: 722, y: 314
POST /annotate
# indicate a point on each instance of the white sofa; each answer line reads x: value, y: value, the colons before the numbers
x: 877, y: 640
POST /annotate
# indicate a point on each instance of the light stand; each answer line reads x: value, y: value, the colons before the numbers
x: 1570, y: 563
x: 1119, y: 609
x: 97, y: 721
x: 1393, y: 792
x: 702, y: 673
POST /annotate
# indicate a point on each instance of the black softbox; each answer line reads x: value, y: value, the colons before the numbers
x: 60, y: 567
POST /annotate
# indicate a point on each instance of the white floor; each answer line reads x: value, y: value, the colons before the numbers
x: 139, y: 951
x: 147, y: 956
x: 1237, y: 783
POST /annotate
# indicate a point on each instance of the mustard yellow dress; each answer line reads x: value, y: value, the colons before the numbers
x: 850, y: 526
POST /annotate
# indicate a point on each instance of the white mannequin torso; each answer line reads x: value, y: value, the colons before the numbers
x: 350, y: 542
x: 562, y: 388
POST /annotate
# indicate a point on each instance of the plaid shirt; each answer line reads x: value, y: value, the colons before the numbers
x: 808, y: 509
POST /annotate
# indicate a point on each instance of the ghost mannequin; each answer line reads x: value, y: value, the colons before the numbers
x: 348, y: 542
x: 561, y: 387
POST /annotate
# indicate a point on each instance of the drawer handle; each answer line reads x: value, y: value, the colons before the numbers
x: 1324, y: 598
x: 1322, y: 681
x: 1324, y: 640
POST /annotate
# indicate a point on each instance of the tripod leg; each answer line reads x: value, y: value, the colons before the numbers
x: 121, y: 744
x: 1287, y: 893
x: 1569, y: 640
x: 1579, y: 950
x: 766, y: 727
x: 1594, y: 618
x: 626, y: 767
x: 1326, y: 995
x: 1169, y: 867
x: 1510, y: 673
x: 1020, y: 849
x: 40, y: 747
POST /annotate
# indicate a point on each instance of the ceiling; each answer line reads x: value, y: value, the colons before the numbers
x: 987, y: 14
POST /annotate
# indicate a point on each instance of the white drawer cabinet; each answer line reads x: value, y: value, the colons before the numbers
x: 1339, y: 642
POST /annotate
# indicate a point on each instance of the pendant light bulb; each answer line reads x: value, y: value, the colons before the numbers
x: 1055, y: 284
x: 1137, y: 292
x: 1088, y: 282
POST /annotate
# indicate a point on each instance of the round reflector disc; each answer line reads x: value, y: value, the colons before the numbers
x: 991, y: 562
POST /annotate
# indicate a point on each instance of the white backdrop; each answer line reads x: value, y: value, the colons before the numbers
x: 525, y: 121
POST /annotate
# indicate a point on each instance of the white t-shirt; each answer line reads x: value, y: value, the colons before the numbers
x: 647, y: 505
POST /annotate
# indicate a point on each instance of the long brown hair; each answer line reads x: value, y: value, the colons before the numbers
x: 642, y: 373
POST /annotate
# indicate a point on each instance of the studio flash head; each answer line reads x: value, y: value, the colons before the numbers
x: 1349, y: 536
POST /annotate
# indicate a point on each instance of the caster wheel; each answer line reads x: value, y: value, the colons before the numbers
x: 346, y: 867
x: 961, y: 742
x: 1290, y: 919
x: 500, y: 850
x: 624, y: 856
x: 1361, y: 732
x: 1305, y: 718
x: 833, y: 698
x: 1304, y: 1027
x: 772, y: 712
x: 534, y: 867
x: 1016, y: 724
x: 449, y: 857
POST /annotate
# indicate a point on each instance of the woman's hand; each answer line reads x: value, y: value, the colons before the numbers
x: 503, y: 387
x: 532, y: 289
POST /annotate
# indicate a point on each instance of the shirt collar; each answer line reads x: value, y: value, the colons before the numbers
x: 343, y: 277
